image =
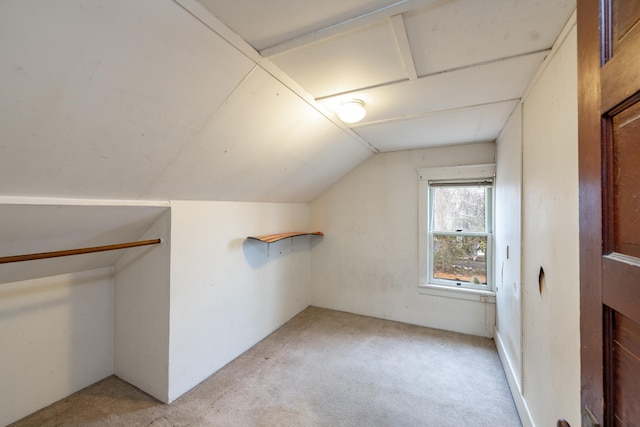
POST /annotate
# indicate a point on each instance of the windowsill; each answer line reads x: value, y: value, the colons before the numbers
x: 458, y: 293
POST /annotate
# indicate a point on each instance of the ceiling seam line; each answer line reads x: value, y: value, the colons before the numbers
x: 191, y: 138
x: 427, y: 113
x: 491, y: 61
x: 450, y: 70
x: 441, y: 145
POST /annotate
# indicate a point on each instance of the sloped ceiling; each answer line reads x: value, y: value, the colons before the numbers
x: 234, y: 100
x: 430, y: 72
x: 133, y: 100
x: 27, y: 229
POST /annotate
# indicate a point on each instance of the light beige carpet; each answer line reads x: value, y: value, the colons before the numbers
x: 322, y: 368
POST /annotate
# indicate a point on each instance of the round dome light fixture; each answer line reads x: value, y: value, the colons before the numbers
x: 351, y: 111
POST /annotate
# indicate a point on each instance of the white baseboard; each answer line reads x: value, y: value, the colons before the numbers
x: 518, y: 398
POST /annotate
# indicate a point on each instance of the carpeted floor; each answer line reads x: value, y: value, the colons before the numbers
x: 322, y: 368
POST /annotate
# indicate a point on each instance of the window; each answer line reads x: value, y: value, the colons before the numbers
x: 456, y: 224
x: 459, y: 233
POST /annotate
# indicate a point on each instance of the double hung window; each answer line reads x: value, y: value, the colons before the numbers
x: 456, y: 226
x: 460, y: 233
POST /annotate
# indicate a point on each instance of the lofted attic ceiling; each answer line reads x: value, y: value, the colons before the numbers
x: 234, y: 100
x: 431, y: 72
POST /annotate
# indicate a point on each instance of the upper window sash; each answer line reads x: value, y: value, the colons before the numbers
x: 488, y: 195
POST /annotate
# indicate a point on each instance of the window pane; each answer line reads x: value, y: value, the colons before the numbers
x: 460, y: 258
x: 459, y: 208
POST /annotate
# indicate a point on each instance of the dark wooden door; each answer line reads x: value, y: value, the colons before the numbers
x: 609, y: 141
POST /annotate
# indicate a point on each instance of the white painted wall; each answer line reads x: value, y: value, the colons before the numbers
x: 227, y: 293
x: 551, y: 328
x: 56, y: 336
x: 368, y: 261
x: 508, y: 234
x: 141, y: 313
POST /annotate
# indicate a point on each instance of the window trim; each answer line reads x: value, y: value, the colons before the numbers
x: 479, y: 172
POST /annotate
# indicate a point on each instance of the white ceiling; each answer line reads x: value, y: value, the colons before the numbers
x: 431, y: 72
x: 233, y: 100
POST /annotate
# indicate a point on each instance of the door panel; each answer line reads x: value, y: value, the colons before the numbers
x: 609, y: 141
x: 626, y: 362
x: 620, y: 72
x: 626, y: 181
x: 625, y: 15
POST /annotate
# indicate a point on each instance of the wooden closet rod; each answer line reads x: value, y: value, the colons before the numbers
x: 43, y: 255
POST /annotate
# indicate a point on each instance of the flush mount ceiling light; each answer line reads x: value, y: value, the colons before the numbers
x: 351, y: 111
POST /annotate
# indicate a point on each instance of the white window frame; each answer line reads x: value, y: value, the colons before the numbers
x: 440, y: 288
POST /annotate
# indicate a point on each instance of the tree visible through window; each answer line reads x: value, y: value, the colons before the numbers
x: 459, y: 233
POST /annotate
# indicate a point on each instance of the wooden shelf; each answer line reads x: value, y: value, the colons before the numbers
x: 270, y: 238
